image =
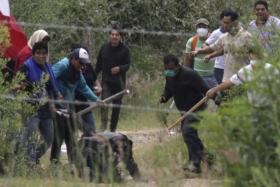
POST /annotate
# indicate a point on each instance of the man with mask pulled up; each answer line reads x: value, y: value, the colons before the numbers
x: 205, y: 70
x: 233, y: 44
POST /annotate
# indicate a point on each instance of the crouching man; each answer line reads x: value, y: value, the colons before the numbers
x: 102, y: 153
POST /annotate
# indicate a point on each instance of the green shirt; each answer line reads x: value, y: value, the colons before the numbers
x: 202, y: 68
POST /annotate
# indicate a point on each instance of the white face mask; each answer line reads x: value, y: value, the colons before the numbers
x: 202, y: 32
x: 255, y: 63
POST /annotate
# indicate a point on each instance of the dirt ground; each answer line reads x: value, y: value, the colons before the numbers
x: 142, y: 139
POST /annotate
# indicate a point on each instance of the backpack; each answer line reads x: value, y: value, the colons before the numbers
x: 194, y: 41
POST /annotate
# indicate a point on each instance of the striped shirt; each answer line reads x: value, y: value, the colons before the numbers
x: 202, y: 68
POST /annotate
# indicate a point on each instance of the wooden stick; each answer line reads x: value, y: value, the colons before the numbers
x: 189, y: 112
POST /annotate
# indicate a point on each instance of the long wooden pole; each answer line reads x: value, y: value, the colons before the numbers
x: 189, y: 112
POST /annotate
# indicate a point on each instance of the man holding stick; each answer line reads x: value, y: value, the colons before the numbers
x: 187, y: 88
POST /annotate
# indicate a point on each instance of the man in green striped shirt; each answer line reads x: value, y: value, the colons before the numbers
x: 205, y: 70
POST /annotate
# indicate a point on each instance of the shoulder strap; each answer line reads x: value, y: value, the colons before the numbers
x: 239, y: 77
x: 194, y: 41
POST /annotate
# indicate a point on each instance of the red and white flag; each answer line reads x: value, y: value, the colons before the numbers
x: 17, y: 37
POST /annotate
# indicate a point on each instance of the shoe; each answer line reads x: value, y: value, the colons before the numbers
x: 113, y: 130
x: 193, y: 169
x: 208, y: 159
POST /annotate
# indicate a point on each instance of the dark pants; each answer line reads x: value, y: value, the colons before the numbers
x: 42, y: 127
x: 219, y: 73
x: 64, y: 129
x: 194, y: 144
x: 109, y: 89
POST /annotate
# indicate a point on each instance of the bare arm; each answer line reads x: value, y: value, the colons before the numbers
x: 225, y: 85
x: 206, y: 50
x: 187, y: 60
x: 213, y: 55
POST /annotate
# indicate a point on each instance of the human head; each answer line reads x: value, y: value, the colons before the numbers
x: 40, y: 52
x: 222, y: 15
x: 37, y: 36
x: 202, y: 26
x: 230, y: 21
x: 171, y: 65
x: 115, y: 36
x: 79, y: 57
x: 261, y: 10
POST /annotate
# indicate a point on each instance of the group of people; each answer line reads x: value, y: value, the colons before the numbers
x: 73, y: 78
x: 211, y: 65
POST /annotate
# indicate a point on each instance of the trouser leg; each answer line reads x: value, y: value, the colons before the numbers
x: 59, y: 136
x: 47, y: 136
x: 219, y: 73
x: 115, y: 114
x: 131, y: 165
x: 70, y: 138
x: 88, y: 124
x: 30, y: 138
x: 116, y: 88
x: 106, y: 92
x: 194, y: 144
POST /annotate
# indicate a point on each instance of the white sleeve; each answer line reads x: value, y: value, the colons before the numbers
x: 239, y: 78
x: 235, y: 80
x: 213, y: 37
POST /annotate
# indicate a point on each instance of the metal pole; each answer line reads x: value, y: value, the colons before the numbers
x: 109, y: 99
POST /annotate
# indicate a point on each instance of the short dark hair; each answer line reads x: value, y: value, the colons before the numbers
x: 233, y: 15
x: 116, y: 29
x: 261, y: 2
x: 171, y: 58
x: 38, y: 46
x: 46, y: 38
x: 222, y: 15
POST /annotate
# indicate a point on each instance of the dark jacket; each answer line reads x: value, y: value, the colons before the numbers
x: 187, y: 88
x: 33, y: 74
x: 90, y: 77
x: 110, y: 57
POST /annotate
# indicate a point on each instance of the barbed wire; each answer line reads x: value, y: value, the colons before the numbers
x: 65, y: 103
x: 97, y: 29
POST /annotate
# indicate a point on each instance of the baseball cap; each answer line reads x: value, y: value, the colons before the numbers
x: 202, y: 20
x: 82, y: 55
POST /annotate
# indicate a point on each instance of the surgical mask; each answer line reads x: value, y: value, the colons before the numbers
x: 232, y: 30
x: 255, y: 63
x: 169, y: 73
x: 202, y: 32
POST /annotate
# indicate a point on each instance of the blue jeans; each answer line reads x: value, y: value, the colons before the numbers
x: 219, y: 73
x: 88, y: 123
x: 36, y: 127
x: 210, y: 80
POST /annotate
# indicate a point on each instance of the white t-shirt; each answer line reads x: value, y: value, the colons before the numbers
x: 220, y: 60
x: 257, y: 97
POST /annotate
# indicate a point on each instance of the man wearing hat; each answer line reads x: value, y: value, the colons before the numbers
x: 232, y: 44
x: 69, y: 78
x: 205, y: 70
